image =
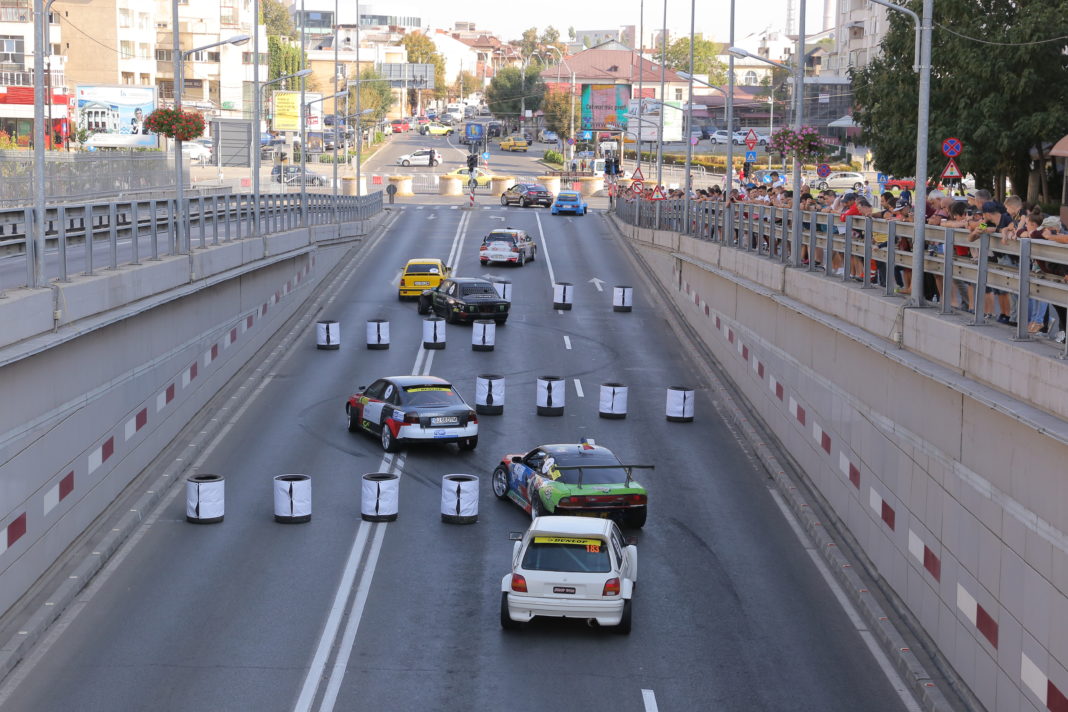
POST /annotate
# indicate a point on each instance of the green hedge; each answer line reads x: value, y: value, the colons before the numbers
x: 552, y: 156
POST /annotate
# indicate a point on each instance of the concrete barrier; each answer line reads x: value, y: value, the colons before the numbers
x: 551, y: 183
x: 499, y: 184
x: 403, y: 185
x: 450, y: 185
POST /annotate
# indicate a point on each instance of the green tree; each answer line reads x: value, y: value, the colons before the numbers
x: 551, y: 38
x: 283, y: 57
x: 503, y: 95
x: 571, y: 33
x: 467, y: 84
x: 276, y: 18
x: 704, y: 58
x: 528, y: 44
x: 556, y: 107
x: 776, y: 89
x: 374, y: 94
x: 422, y: 50
x: 1002, y: 94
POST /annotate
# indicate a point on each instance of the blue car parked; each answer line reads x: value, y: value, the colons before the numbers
x: 569, y: 201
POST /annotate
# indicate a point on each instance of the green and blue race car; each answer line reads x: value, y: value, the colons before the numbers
x: 576, y: 479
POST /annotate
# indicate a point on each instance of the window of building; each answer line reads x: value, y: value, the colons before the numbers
x: 144, y: 51
x: 127, y: 77
x: 13, y: 50
x: 164, y: 55
x: 126, y: 49
x: 229, y: 13
x: 750, y: 78
x: 678, y: 94
x: 124, y: 18
x: 246, y: 57
x: 214, y: 56
x: 146, y: 79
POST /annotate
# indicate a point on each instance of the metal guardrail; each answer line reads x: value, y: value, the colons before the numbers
x: 208, y: 220
x: 1018, y: 266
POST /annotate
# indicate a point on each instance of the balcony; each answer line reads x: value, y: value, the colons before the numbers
x: 25, y: 79
x: 16, y: 14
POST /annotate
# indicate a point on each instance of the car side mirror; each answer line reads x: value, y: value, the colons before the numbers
x: 516, y: 459
x: 361, y: 389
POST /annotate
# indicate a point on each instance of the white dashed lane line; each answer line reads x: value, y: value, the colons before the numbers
x: 649, y: 699
x: 567, y: 342
x: 578, y: 388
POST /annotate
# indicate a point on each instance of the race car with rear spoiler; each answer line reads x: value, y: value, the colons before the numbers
x: 581, y: 478
x: 407, y: 409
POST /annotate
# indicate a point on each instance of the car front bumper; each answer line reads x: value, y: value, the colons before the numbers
x: 607, y: 612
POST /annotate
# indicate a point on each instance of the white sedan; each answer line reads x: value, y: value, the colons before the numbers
x: 842, y: 180
x: 570, y: 567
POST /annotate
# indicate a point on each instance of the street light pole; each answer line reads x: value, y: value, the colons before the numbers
x: 257, y: 132
x: 799, y: 102
x: 689, y: 126
x: 921, y: 64
x: 729, y: 182
x: 663, y: 105
x: 303, y: 128
x: 256, y: 158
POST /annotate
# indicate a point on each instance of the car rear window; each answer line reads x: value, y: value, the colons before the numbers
x: 592, y: 476
x: 510, y: 239
x: 431, y: 396
x: 468, y: 289
x: 423, y: 269
x: 563, y: 553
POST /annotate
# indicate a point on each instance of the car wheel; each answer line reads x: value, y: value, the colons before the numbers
x: 433, y: 163
x: 424, y: 305
x: 524, y: 203
x: 636, y: 517
x: 821, y: 185
x: 499, y: 482
x: 521, y: 261
x: 483, y: 262
x: 501, y: 321
x: 535, y: 506
x: 506, y: 620
x: 504, y: 201
x: 858, y: 186
x: 354, y: 423
x: 468, y: 443
x: 533, y: 253
x: 624, y: 623
x: 406, y: 163
x: 389, y: 443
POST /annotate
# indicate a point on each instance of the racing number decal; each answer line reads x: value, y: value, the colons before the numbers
x: 372, y: 412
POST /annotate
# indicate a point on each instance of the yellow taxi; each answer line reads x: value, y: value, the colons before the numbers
x: 515, y: 143
x: 482, y: 176
x: 419, y: 275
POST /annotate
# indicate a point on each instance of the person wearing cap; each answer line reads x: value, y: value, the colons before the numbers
x: 995, y: 220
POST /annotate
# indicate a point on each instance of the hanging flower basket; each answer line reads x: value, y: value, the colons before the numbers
x: 175, y: 123
x: 805, y: 145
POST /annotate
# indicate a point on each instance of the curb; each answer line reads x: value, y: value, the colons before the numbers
x: 915, y: 675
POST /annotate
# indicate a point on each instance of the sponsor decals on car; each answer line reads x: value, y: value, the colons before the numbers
x: 420, y: 389
x: 573, y: 541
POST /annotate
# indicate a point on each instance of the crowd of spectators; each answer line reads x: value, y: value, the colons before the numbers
x: 973, y: 213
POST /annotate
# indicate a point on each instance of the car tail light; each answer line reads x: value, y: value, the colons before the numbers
x: 636, y: 499
x: 412, y: 418
x: 611, y: 586
x: 472, y: 418
x: 520, y: 584
x: 515, y: 249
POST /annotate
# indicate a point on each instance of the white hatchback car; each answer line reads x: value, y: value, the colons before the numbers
x: 843, y: 180
x: 570, y: 567
x: 507, y: 245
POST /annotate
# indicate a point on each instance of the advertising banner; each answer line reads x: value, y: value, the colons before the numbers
x: 604, y: 105
x: 649, y: 126
x: 114, y: 116
x: 287, y: 111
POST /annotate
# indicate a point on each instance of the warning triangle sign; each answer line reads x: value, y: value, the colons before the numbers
x: 658, y: 194
x: 951, y: 170
x: 637, y: 175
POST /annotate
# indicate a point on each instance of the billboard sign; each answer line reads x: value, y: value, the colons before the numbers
x: 115, y: 116
x: 649, y: 126
x: 604, y: 105
x: 287, y: 111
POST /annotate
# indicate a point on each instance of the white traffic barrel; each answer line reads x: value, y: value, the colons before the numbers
x: 459, y: 499
x: 622, y: 298
x: 563, y: 295
x: 680, y: 404
x: 433, y: 332
x: 327, y: 335
x: 551, y: 395
x: 378, y: 501
x: 613, y: 402
x: 205, y: 499
x: 504, y: 289
x: 483, y: 334
x: 292, y: 499
x: 377, y: 334
x: 489, y: 394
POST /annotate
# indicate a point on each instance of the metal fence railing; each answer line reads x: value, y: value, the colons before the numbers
x: 83, y: 175
x: 881, y: 251
x: 88, y: 236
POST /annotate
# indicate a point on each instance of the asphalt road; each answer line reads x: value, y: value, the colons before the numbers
x: 250, y: 614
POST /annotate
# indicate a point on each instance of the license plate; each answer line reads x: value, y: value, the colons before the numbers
x: 563, y: 589
x: 445, y: 420
x: 422, y: 284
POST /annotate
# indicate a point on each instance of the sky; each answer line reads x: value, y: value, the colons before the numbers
x: 711, y: 16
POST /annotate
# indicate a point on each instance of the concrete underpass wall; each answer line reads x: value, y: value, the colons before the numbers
x: 84, y: 415
x: 960, y: 503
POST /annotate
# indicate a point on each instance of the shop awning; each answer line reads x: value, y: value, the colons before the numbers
x: 1060, y: 148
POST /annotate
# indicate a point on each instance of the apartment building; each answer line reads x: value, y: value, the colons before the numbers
x: 16, y: 74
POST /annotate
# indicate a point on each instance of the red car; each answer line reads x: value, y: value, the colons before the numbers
x: 422, y: 120
x: 903, y: 183
x: 400, y: 126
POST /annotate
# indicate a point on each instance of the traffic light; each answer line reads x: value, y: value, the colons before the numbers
x: 472, y: 161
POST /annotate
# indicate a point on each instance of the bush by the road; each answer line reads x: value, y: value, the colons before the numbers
x: 719, y: 163
x: 552, y: 156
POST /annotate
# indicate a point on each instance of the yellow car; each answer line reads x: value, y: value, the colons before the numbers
x: 482, y: 176
x: 435, y: 129
x: 421, y: 274
x: 515, y: 143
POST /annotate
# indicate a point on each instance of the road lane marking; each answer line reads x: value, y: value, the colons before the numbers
x: 457, y: 242
x: 850, y: 610
x: 567, y: 342
x: 649, y: 700
x: 578, y: 388
x: 395, y: 282
x: 545, y: 251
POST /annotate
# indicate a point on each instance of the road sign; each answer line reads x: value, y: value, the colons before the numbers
x: 637, y: 175
x: 587, y: 135
x: 637, y: 187
x: 485, y: 155
x: 571, y: 142
x: 951, y: 170
x: 694, y: 140
x: 881, y: 178
x: 952, y: 147
x: 658, y: 194
x: 474, y: 132
x: 750, y: 157
x: 823, y: 170
x: 751, y: 140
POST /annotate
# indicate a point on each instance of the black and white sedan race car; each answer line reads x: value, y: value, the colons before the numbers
x: 404, y: 409
x: 465, y: 299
